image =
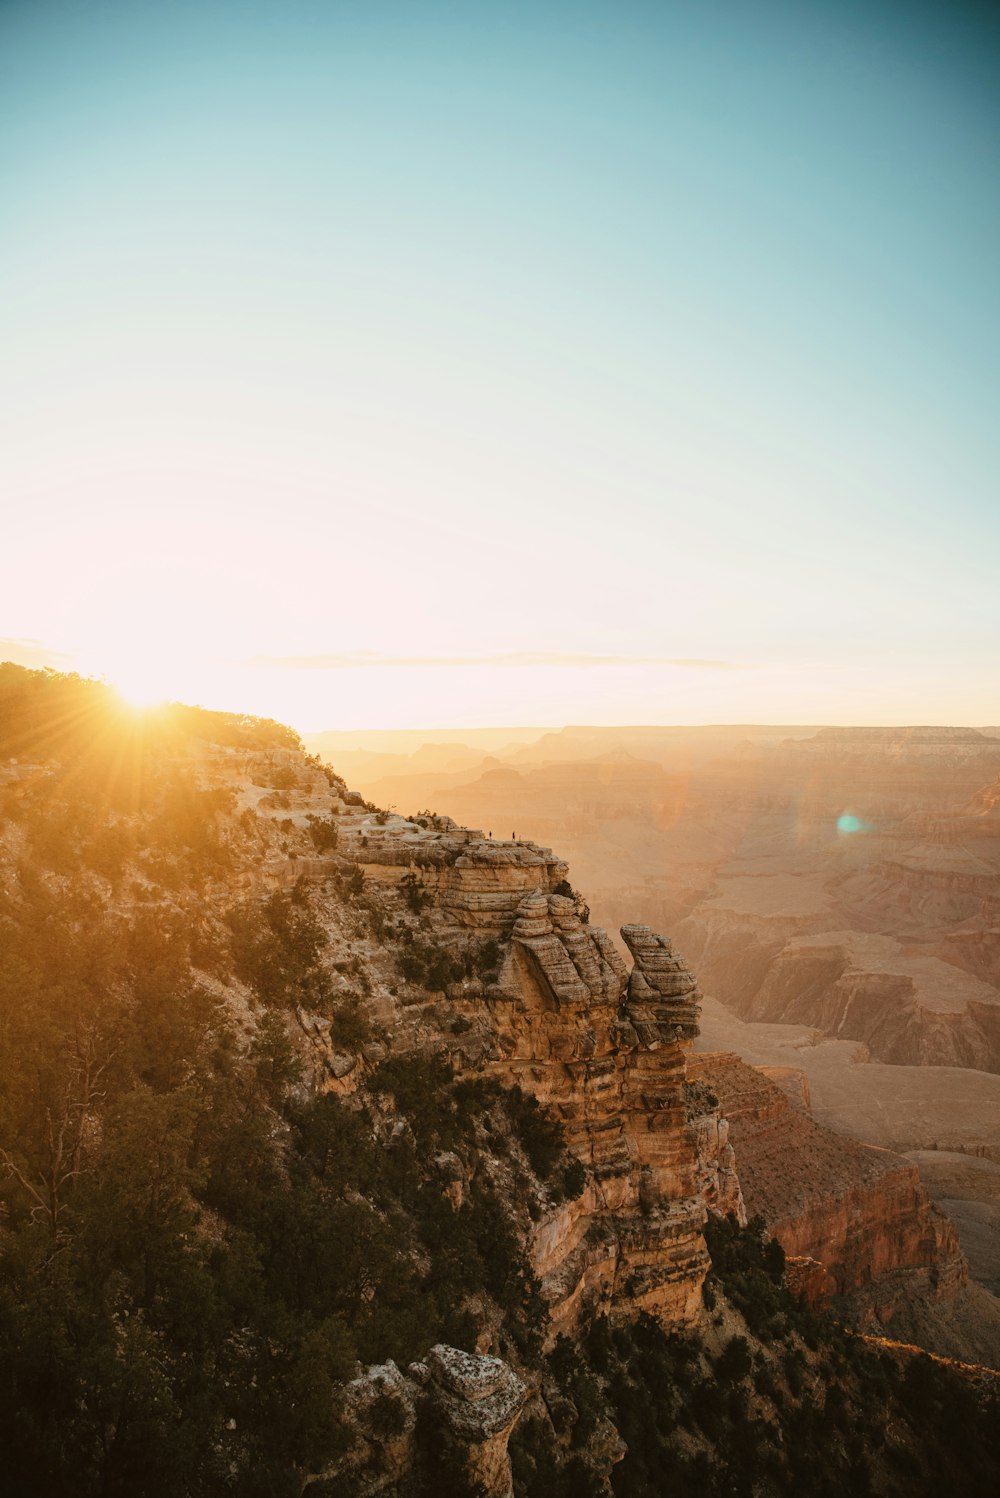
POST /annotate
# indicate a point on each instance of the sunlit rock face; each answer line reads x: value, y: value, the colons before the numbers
x: 478, y: 882
x: 601, y: 1044
x: 662, y: 994
x: 749, y: 846
x: 718, y: 1175
x: 605, y: 1049
x: 859, y: 1212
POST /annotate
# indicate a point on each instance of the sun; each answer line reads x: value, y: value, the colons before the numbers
x: 142, y: 680
x: 140, y: 695
x: 151, y: 636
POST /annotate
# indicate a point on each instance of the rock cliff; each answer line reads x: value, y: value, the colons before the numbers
x: 909, y: 1007
x: 606, y: 1051
x: 858, y: 1211
x: 560, y: 1014
x: 602, y: 1046
x: 450, y: 1415
x: 393, y: 1091
x: 664, y: 1135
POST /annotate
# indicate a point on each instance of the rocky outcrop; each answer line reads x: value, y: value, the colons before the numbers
x: 453, y: 1414
x: 809, y: 1280
x: 661, y: 987
x: 477, y: 1401
x: 602, y: 1046
x: 606, y: 1051
x: 606, y: 1048
x: 718, y: 1178
x: 859, y: 1212
x: 477, y: 882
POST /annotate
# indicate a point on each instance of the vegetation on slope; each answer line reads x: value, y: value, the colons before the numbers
x: 196, y: 1246
x: 768, y: 1400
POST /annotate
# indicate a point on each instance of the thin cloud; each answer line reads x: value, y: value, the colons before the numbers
x: 518, y: 658
x: 31, y: 653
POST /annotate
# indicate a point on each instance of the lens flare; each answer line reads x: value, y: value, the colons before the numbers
x: 848, y: 822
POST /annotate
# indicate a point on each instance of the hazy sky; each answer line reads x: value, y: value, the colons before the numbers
x: 389, y: 364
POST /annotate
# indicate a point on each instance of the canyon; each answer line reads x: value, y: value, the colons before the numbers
x: 666, y: 1132
x: 452, y: 1187
x: 882, y: 1252
x: 837, y: 891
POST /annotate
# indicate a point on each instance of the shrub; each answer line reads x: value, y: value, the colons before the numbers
x: 414, y: 893
x: 351, y: 1026
x: 574, y: 1179
x: 323, y: 831
x: 387, y: 1416
x: 540, y: 1134
x: 276, y: 949
x: 735, y: 1361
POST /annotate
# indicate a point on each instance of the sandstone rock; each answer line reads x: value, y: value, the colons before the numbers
x: 477, y: 1400
x: 379, y: 1417
x: 451, y: 1171
x: 633, y: 1240
x: 603, y: 1047
x: 808, y: 1280
x: 717, y: 1163
x: 453, y: 1407
x: 662, y: 994
x: 860, y: 1211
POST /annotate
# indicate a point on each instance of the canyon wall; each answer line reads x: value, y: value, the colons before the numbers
x: 908, y: 1006
x: 858, y: 1211
x: 746, y: 843
x: 666, y: 1135
x: 603, y: 1047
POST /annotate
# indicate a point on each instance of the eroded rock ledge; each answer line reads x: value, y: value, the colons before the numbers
x: 859, y: 1212
x: 605, y: 1049
x: 451, y: 1413
x: 602, y: 1045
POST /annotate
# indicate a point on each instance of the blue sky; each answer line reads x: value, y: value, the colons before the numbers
x: 381, y: 364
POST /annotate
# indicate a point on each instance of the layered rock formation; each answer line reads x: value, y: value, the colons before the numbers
x: 742, y: 848
x: 908, y: 1006
x: 606, y: 1051
x: 859, y: 1212
x: 602, y: 1046
x: 453, y: 1413
x: 718, y: 1176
